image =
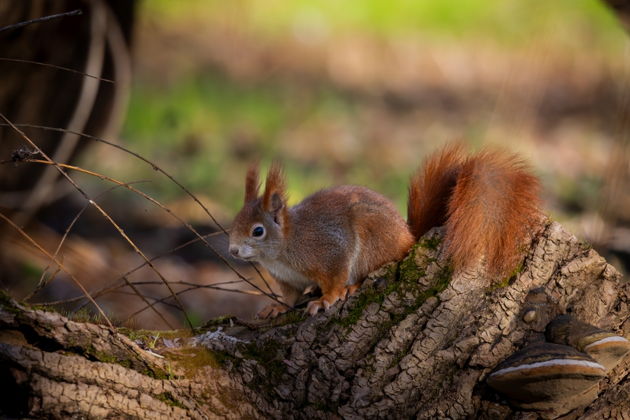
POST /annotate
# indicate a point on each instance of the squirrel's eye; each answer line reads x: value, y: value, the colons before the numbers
x: 258, y: 231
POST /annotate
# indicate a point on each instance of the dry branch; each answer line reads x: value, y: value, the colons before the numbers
x: 152, y: 200
x: 103, y: 213
x: 18, y: 25
x: 172, y: 179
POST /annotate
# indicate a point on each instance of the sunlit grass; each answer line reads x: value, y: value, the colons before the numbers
x: 569, y: 23
x: 201, y: 127
x: 206, y: 128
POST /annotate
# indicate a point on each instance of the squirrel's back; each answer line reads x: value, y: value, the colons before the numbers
x: 361, y: 221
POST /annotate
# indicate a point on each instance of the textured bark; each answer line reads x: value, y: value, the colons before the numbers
x: 416, y: 341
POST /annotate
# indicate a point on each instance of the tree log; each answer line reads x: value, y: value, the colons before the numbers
x: 416, y: 341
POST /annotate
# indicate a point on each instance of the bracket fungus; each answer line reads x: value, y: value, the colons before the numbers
x: 549, y: 377
x: 563, y: 373
x: 606, y: 347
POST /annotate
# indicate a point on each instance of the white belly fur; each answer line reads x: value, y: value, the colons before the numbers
x: 286, y: 274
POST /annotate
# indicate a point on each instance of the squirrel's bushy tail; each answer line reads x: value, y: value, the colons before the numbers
x: 488, y: 202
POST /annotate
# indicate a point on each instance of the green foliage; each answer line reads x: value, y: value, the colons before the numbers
x: 501, y: 21
x: 168, y: 398
x: 205, y: 127
x: 30, y: 272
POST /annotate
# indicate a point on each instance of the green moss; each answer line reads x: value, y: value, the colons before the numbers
x: 8, y: 303
x: 401, y: 279
x: 84, y: 315
x: 103, y: 357
x: 409, y: 271
x: 443, y: 278
x: 431, y: 243
x: 505, y: 282
x: 288, y: 318
x: 168, y: 398
x: 585, y: 246
x: 398, y: 357
x: 192, y: 359
x: 500, y: 285
x: 100, y: 356
x: 366, y: 298
x: 158, y: 374
x: 218, y: 321
x: 45, y: 308
x: 270, y: 355
x: 149, y: 336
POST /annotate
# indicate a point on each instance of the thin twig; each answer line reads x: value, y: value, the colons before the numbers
x: 76, y: 12
x: 192, y: 287
x: 156, y: 168
x: 111, y: 287
x: 139, y: 311
x: 41, y: 283
x: 128, y: 283
x: 215, y: 286
x: 54, y: 66
x: 152, y: 200
x: 42, y: 250
x: 103, y: 212
x: 153, y: 298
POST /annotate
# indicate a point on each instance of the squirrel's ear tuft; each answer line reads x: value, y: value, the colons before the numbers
x: 251, y: 183
x: 274, y: 197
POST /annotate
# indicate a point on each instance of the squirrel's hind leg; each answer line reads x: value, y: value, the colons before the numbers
x: 351, y: 289
x: 333, y: 289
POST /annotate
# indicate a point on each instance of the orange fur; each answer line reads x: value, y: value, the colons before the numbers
x: 251, y: 183
x: 274, y: 199
x: 333, y: 289
x: 274, y: 184
x: 488, y: 202
x: 494, y: 206
x: 430, y: 189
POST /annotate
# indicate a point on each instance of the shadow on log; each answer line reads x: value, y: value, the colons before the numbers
x: 416, y: 341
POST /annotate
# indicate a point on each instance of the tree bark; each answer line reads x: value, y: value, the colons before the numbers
x: 416, y: 341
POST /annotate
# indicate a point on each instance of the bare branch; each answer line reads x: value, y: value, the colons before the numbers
x: 54, y: 66
x: 160, y: 205
x: 41, y: 284
x: 103, y: 212
x: 18, y: 25
x: 156, y: 168
x: 42, y: 250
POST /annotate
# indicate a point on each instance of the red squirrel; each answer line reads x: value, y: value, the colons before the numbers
x: 488, y: 203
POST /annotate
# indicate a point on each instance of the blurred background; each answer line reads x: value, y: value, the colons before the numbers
x: 341, y: 92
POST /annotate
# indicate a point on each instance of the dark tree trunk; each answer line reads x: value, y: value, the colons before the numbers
x: 416, y: 341
x: 97, y: 43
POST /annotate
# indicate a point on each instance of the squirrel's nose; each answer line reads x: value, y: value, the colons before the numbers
x: 234, y: 250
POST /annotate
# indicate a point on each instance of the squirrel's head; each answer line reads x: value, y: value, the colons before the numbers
x: 260, y: 227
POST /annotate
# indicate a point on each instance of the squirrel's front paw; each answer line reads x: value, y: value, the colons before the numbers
x: 315, y: 305
x: 325, y: 302
x: 271, y: 311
